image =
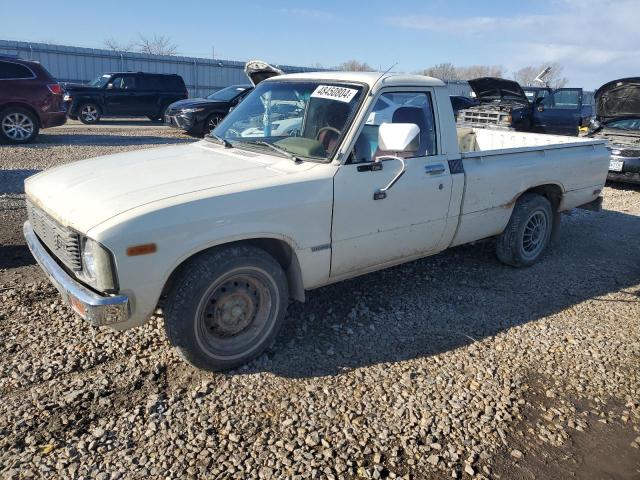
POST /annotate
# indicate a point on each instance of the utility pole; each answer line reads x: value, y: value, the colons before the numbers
x: 213, y: 52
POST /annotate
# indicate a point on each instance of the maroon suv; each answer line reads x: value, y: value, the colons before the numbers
x: 30, y: 99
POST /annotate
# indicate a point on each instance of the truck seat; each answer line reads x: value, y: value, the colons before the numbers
x: 467, y: 140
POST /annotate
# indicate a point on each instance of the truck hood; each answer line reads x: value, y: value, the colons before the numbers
x: 618, y: 99
x: 257, y: 71
x: 84, y: 194
x: 491, y: 88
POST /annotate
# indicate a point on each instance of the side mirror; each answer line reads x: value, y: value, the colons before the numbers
x: 540, y: 108
x: 399, y: 137
x: 109, y: 86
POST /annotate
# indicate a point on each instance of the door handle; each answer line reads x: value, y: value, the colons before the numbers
x: 434, y: 169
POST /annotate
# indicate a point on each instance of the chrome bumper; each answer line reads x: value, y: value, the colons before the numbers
x: 92, y: 307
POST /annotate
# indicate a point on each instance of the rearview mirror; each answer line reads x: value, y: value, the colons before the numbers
x: 399, y: 137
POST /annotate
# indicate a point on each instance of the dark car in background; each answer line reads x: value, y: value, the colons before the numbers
x: 617, y: 119
x: 30, y: 99
x: 124, y: 94
x: 501, y: 103
x: 198, y: 116
x: 562, y: 112
x: 505, y: 104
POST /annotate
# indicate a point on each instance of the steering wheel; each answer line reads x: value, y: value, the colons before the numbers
x: 327, y: 129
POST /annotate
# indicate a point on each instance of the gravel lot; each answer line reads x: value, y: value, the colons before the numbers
x: 450, y: 367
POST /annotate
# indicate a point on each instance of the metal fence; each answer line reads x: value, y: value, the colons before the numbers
x: 201, y: 75
x: 76, y: 64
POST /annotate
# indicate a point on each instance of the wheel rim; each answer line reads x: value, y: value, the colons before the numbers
x: 236, y: 312
x: 535, y: 234
x: 89, y: 113
x: 17, y: 126
x: 212, y: 124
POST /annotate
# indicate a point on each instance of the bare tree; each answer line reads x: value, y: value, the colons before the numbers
x: 157, y: 45
x: 355, y: 66
x: 443, y: 71
x: 113, y: 44
x: 476, y: 71
x: 526, y: 75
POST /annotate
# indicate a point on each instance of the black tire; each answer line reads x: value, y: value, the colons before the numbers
x: 211, y: 122
x: 89, y: 113
x: 527, y: 235
x: 18, y: 125
x: 226, y: 307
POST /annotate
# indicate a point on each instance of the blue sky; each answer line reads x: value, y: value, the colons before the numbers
x: 595, y: 41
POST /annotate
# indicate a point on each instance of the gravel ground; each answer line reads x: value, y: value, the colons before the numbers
x: 454, y: 366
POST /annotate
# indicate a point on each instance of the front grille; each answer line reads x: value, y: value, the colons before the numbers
x: 483, y: 117
x: 62, y: 242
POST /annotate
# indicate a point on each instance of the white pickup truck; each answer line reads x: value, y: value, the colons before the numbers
x: 222, y: 233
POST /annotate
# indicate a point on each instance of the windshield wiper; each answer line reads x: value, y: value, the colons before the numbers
x: 278, y: 149
x: 222, y: 141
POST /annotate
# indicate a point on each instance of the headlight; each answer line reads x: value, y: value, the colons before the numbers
x: 67, y: 97
x: 506, y: 119
x: 191, y: 110
x: 97, y: 267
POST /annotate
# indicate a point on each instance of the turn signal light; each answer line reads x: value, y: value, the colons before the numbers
x: 145, y: 249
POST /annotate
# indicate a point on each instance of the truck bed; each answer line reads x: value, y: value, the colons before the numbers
x: 500, y: 165
x: 475, y: 142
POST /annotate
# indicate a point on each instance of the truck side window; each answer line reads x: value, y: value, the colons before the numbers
x: 397, y: 107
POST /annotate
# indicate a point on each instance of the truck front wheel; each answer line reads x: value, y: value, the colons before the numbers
x: 226, y: 307
x: 528, y: 232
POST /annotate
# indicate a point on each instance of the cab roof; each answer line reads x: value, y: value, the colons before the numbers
x: 368, y: 78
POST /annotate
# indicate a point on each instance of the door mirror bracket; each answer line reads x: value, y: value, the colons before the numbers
x: 381, y: 193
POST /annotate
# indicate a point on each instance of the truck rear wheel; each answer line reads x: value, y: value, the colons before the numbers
x: 226, y: 307
x: 527, y: 235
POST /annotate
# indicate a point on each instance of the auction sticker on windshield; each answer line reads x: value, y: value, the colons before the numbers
x: 329, y: 92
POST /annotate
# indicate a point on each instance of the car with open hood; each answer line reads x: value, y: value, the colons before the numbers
x: 501, y: 103
x: 618, y: 121
x: 199, y: 116
x: 505, y: 104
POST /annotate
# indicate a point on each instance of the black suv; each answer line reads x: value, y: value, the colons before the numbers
x: 124, y: 94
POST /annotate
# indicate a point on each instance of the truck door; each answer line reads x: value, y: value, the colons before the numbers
x: 410, y: 220
x: 559, y: 112
x: 120, y: 97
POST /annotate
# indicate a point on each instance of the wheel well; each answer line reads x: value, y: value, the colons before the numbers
x: 551, y: 192
x: 278, y: 249
x: 24, y: 106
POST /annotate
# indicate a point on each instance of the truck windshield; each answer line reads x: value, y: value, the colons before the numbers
x: 304, y: 119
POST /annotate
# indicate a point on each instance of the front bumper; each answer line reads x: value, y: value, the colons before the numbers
x: 629, y: 169
x: 177, y: 119
x: 96, y: 309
